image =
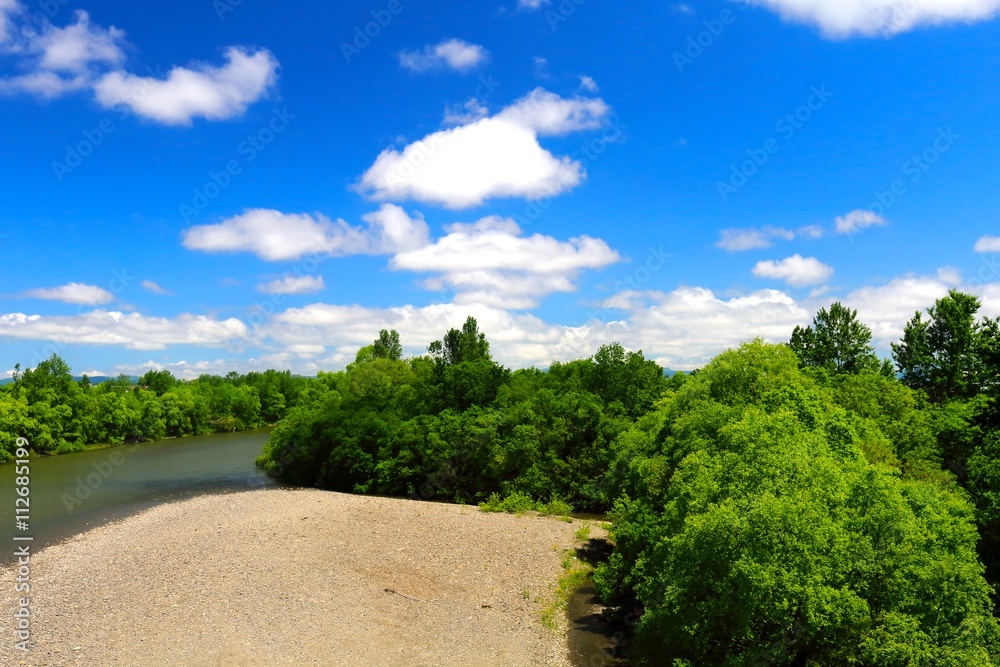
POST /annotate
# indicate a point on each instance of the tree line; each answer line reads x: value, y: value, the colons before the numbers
x: 58, y: 414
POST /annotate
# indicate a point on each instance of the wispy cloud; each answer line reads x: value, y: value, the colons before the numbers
x: 454, y: 54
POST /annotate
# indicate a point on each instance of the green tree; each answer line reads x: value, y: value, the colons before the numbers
x: 836, y: 341
x: 756, y: 530
x: 457, y: 346
x: 387, y: 346
x: 941, y: 355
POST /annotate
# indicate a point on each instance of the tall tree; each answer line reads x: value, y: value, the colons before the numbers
x: 836, y: 340
x: 458, y: 346
x: 387, y: 345
x: 942, y: 355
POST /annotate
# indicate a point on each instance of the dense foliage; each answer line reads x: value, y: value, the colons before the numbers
x: 801, y: 504
x: 457, y: 425
x: 58, y: 414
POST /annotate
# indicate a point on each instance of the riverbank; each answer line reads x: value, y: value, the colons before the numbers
x: 299, y: 577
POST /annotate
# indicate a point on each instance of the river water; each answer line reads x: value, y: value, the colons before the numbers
x: 73, y: 493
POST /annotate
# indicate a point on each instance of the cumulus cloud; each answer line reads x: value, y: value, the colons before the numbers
x: 886, y: 308
x: 86, y: 56
x: 498, y: 156
x: 454, y: 54
x: 276, y: 236
x: 132, y: 331
x: 291, y: 284
x: 855, y: 221
x: 531, y: 5
x: 491, y: 262
x: 846, y: 18
x: 78, y: 293
x: 988, y: 244
x: 587, y: 83
x: 682, y: 329
x: 204, y: 91
x: 797, y: 271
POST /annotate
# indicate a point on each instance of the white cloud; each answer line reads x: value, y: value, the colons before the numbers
x: 78, y: 293
x: 682, y: 329
x: 548, y: 114
x: 846, y: 18
x: 855, y: 221
x: 810, y: 232
x: 132, y: 330
x: 86, y: 56
x: 751, y: 238
x: 153, y: 287
x: 454, y: 54
x: 7, y: 7
x: 490, y: 262
x: 75, y: 47
x: 464, y: 114
x: 492, y: 157
x: 204, y: 91
x: 587, y: 83
x: 988, y: 244
x: 887, y: 308
x: 293, y: 285
x: 797, y: 271
x: 531, y: 5
x: 62, y: 60
x: 276, y: 236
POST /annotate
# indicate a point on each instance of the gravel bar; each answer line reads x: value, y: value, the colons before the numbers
x: 297, y: 577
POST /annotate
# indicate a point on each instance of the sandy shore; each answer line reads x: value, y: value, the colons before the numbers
x: 297, y: 577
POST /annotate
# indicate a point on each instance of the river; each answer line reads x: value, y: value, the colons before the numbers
x: 73, y: 493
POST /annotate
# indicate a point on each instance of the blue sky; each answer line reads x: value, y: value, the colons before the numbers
x: 209, y: 186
